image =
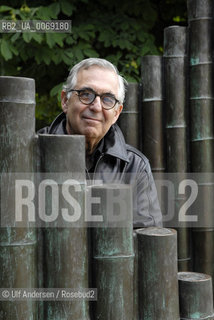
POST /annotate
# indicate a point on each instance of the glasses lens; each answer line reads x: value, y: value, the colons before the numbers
x: 86, y: 96
x: 108, y: 101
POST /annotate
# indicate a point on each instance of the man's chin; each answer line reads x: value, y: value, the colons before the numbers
x: 90, y: 132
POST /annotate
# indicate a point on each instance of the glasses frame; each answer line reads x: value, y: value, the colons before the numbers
x: 95, y: 95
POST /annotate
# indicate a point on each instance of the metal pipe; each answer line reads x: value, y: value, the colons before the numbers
x: 136, y: 289
x: 203, y: 242
x: 176, y: 85
x: 158, y: 285
x: 152, y: 112
x: 113, y: 257
x: 65, y: 246
x: 195, y: 296
x: 17, y: 245
x: 129, y: 118
x: 175, y: 79
x: 200, y: 17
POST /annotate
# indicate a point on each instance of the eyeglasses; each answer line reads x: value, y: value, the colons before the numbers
x: 87, y: 96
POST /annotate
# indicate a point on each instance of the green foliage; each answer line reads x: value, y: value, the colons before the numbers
x: 120, y: 32
x: 46, y: 109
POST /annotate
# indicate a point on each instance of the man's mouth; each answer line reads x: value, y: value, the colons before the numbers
x: 91, y: 119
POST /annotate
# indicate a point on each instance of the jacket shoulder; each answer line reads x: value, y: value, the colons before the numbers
x: 55, y: 127
x: 136, y: 155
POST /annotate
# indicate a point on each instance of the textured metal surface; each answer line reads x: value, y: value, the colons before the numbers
x: 203, y: 250
x: 202, y: 113
x: 17, y: 245
x: 152, y: 112
x: 175, y: 77
x: 205, y: 209
x: 158, y: 286
x: 199, y: 9
x: 201, y: 81
x: 65, y: 259
x: 195, y: 295
x: 152, y: 76
x: 202, y: 131
x: 176, y: 148
x: 201, y: 85
x: 114, y: 283
x: 63, y: 154
x: 114, y: 238
x: 129, y: 118
x: 200, y: 17
x: 135, y: 287
x: 175, y: 42
x: 113, y: 263
x: 201, y: 47
x: 176, y: 80
x: 17, y: 102
x: 202, y: 150
x: 184, y: 249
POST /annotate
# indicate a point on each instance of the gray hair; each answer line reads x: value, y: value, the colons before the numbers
x: 87, y: 63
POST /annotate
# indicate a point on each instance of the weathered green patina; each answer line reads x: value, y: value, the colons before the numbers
x: 129, y: 118
x: 17, y: 245
x: 113, y: 260
x: 195, y: 295
x: 152, y: 112
x: 200, y: 17
x: 175, y: 84
x: 65, y: 258
x: 157, y: 274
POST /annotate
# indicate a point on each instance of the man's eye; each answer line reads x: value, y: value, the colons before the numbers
x: 85, y: 94
x: 108, y: 99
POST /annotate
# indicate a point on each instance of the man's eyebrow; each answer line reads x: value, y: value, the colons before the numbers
x: 90, y: 89
x: 87, y: 88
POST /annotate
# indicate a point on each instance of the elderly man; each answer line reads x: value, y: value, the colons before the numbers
x: 92, y: 100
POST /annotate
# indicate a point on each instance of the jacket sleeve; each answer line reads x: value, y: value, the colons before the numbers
x: 146, y: 207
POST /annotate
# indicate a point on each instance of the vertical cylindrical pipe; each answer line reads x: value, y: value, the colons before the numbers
x: 175, y: 78
x: 135, y: 287
x: 195, y: 296
x: 113, y: 258
x: 203, y: 250
x: 17, y: 245
x: 65, y: 248
x: 158, y: 284
x: 200, y: 17
x: 201, y: 84
x: 129, y: 118
x: 152, y: 112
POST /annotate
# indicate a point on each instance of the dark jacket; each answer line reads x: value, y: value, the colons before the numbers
x: 116, y: 161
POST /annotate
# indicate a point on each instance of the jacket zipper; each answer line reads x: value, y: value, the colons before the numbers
x: 90, y: 175
x: 95, y: 169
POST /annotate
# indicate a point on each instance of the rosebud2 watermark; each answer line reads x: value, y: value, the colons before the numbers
x: 54, y: 200
x: 47, y: 294
x: 68, y: 200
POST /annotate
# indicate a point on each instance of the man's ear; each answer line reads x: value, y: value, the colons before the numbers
x: 64, y: 101
x: 117, y: 112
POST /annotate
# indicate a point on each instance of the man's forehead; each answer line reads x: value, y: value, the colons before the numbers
x: 96, y: 76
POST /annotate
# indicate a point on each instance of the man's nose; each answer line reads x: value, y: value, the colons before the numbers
x: 96, y: 105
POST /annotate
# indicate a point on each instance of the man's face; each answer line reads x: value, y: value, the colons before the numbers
x: 91, y: 120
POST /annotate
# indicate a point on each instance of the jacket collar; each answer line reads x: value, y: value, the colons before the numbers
x: 114, y: 142
x: 58, y: 125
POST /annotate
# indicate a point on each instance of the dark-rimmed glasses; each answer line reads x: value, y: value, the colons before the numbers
x: 87, y: 96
